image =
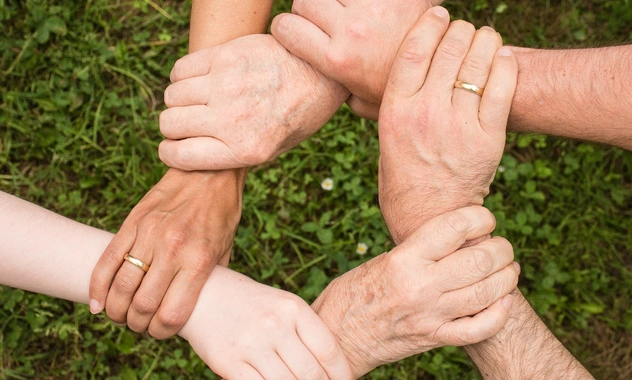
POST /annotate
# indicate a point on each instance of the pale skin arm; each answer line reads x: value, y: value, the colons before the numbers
x: 240, y: 328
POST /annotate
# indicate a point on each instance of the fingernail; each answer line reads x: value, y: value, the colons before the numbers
x: 488, y: 28
x: 441, y: 12
x: 95, y: 306
x: 507, y: 301
x: 123, y: 324
x: 517, y: 267
x: 504, y: 51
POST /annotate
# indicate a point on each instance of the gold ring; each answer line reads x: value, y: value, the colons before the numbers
x: 469, y: 87
x: 134, y: 261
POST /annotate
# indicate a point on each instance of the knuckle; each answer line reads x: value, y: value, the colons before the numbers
x: 413, y: 53
x: 314, y: 373
x: 112, y: 255
x: 124, y: 283
x: 476, y: 64
x: 337, y: 60
x: 171, y: 319
x: 482, y: 261
x: 497, y: 99
x: 174, y: 239
x: 452, y: 48
x: 483, y: 294
x: 457, y: 222
x: 145, y: 305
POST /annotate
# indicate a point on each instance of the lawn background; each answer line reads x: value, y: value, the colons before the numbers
x: 81, y: 90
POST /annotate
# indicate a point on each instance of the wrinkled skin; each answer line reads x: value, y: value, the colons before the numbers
x: 241, y: 104
x: 425, y: 293
x: 354, y: 42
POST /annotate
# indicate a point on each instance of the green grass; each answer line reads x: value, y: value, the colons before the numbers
x: 81, y: 86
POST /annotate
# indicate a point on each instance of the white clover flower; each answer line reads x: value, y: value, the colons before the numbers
x: 327, y: 184
x: 362, y: 249
x: 501, y: 169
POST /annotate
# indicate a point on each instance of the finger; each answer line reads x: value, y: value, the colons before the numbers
x: 470, y: 265
x: 444, y: 234
x: 475, y: 70
x: 149, y: 296
x: 449, y: 57
x: 363, y: 109
x: 242, y: 372
x: 199, y: 153
x: 316, y: 336
x: 270, y: 366
x: 193, y: 121
x: 125, y: 284
x: 179, y: 302
x: 484, y: 325
x: 474, y: 298
x: 192, y: 65
x: 108, y: 265
x: 499, y: 91
x: 303, y: 39
x: 324, y: 14
x: 189, y: 92
x: 413, y: 59
x: 300, y: 360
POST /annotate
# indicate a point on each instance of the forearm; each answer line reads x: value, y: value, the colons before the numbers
x: 214, y: 22
x: 525, y: 349
x: 577, y: 93
x: 46, y: 253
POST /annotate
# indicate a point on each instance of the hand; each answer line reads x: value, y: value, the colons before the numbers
x: 245, y: 330
x: 354, y: 42
x: 425, y: 293
x: 241, y: 104
x: 439, y: 145
x: 182, y: 228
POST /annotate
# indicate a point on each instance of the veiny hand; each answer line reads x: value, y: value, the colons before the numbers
x: 424, y: 294
x: 182, y: 228
x: 245, y: 330
x: 354, y: 42
x: 440, y: 145
x: 241, y: 104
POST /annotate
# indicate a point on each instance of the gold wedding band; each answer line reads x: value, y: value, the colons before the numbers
x: 469, y: 87
x: 134, y: 261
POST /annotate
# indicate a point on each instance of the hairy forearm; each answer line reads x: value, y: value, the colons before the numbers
x: 525, y: 349
x: 577, y: 93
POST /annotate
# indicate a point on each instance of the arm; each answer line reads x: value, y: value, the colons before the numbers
x: 577, y: 93
x: 185, y: 225
x: 258, y: 331
x: 392, y: 306
x: 214, y: 22
x: 525, y: 349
